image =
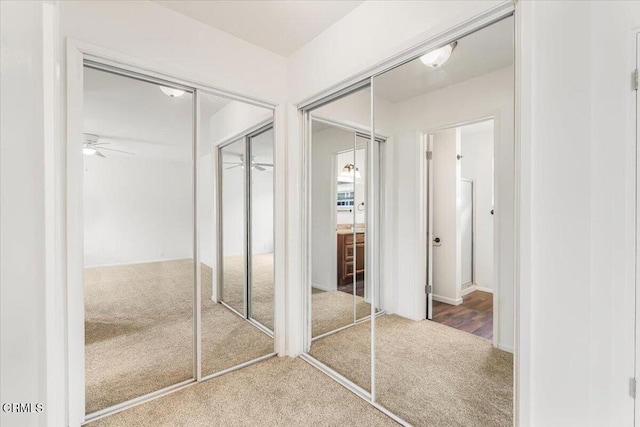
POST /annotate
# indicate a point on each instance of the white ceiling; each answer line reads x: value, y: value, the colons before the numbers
x: 479, y: 53
x: 135, y: 116
x: 279, y: 26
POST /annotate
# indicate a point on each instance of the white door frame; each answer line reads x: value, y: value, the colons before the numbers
x: 72, y: 172
x: 473, y: 234
x: 422, y: 266
x: 637, y: 241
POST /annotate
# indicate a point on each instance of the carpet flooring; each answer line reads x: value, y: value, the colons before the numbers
x: 334, y: 309
x: 276, y: 392
x: 139, y: 331
x: 139, y: 325
x: 426, y: 373
x: 262, y: 289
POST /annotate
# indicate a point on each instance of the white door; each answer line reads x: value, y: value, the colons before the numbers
x: 466, y: 228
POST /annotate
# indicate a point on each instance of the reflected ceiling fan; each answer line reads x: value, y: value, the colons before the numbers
x: 254, y: 164
x: 91, y: 146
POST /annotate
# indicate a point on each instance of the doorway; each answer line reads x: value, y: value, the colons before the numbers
x: 460, y: 223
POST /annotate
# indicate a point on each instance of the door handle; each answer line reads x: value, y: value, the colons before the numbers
x: 436, y: 240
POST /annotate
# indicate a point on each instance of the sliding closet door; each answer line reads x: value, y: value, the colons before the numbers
x: 445, y: 371
x: 340, y: 330
x: 236, y: 277
x: 261, y: 239
x: 138, y: 237
x: 234, y: 228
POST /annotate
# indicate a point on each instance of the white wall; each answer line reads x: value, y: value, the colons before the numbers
x: 325, y: 144
x: 176, y: 42
x: 136, y: 210
x: 25, y: 249
x: 446, y: 217
x: 578, y: 169
x: 477, y: 165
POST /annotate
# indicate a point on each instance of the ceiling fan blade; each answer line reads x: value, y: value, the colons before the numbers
x: 99, y: 154
x: 258, y: 167
x: 119, y: 151
x: 268, y: 165
x: 236, y: 166
x: 232, y: 163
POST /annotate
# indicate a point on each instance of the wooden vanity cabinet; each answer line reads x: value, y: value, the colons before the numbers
x: 345, y: 258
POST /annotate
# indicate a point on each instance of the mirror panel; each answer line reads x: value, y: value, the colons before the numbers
x: 232, y: 216
x: 229, y: 337
x: 138, y: 238
x: 340, y: 332
x: 443, y: 135
x: 261, y: 290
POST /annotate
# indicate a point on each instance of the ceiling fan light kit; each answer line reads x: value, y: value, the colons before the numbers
x: 91, y: 146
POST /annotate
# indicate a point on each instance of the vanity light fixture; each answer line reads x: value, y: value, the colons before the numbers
x: 171, y: 92
x: 349, y: 171
x: 436, y: 58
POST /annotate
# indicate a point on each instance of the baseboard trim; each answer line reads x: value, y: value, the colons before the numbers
x: 447, y: 300
x: 322, y: 288
x: 506, y: 348
x: 468, y: 290
x: 474, y: 288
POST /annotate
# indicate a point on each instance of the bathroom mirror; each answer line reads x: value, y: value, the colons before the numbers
x: 138, y: 237
x: 236, y: 167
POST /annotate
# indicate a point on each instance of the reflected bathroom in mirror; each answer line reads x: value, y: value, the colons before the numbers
x: 340, y: 291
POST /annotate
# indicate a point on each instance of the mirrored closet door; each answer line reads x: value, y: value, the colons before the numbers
x: 237, y: 300
x: 443, y: 108
x: 178, y: 277
x: 138, y: 237
x: 339, y: 311
x: 410, y: 275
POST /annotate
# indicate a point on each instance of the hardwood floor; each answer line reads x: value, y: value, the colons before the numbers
x: 474, y: 315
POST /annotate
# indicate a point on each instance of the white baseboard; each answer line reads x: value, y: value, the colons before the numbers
x: 474, y: 288
x: 323, y: 288
x: 468, y: 290
x: 506, y: 348
x: 447, y: 300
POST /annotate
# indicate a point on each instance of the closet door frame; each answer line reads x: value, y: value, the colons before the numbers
x: 246, y: 138
x: 78, y: 55
x: 343, y: 88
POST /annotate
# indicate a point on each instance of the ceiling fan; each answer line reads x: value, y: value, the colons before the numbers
x: 91, y: 146
x: 254, y: 164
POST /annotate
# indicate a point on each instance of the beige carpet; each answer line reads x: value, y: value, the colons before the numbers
x: 276, y: 392
x: 262, y: 289
x: 334, y: 309
x: 428, y: 374
x: 139, y: 331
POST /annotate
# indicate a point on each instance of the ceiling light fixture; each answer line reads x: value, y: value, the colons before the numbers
x: 349, y: 173
x: 436, y: 58
x: 89, y: 151
x: 173, y: 93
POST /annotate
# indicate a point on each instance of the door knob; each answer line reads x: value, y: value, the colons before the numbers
x: 436, y: 240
